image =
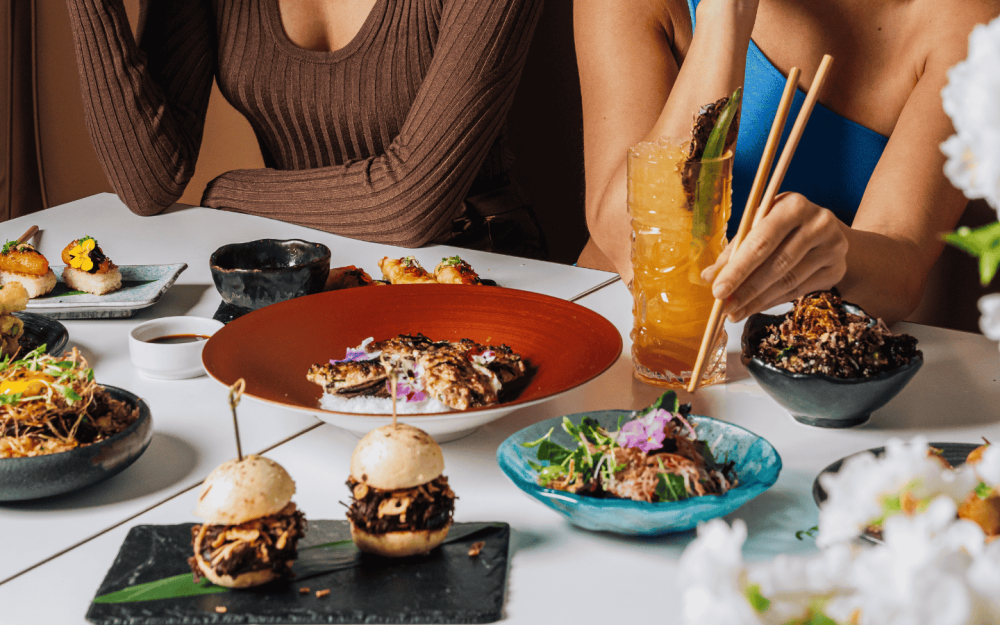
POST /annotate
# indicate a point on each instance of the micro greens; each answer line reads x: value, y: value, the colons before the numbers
x: 811, y: 533
x: 8, y: 246
x: 983, y: 490
x: 593, y: 458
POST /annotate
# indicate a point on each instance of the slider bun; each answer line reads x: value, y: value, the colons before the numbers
x: 243, y: 580
x: 399, y: 544
x: 238, y: 491
x: 393, y: 458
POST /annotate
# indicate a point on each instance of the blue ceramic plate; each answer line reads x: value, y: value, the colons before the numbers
x: 757, y: 467
x: 142, y: 286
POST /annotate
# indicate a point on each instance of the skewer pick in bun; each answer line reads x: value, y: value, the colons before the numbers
x: 401, y: 503
x: 252, y: 527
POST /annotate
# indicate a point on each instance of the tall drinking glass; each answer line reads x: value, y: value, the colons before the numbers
x: 679, y: 213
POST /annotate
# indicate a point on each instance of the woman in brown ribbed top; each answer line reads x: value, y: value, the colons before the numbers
x: 378, y: 119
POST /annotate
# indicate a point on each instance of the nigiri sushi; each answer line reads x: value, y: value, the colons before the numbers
x: 88, y: 269
x: 20, y: 262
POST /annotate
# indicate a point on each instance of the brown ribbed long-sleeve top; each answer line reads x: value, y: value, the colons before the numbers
x: 380, y: 140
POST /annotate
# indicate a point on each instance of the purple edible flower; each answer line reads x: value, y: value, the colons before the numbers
x: 406, y: 390
x: 647, y: 433
x: 357, y: 354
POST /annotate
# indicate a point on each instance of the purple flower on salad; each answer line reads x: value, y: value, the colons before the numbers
x: 647, y: 433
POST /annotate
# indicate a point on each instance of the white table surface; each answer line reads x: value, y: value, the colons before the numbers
x: 555, y: 567
x: 192, y: 430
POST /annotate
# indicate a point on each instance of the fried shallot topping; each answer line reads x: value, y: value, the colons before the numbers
x: 821, y: 335
x: 428, y: 506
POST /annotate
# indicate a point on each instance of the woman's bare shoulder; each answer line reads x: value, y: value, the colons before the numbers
x: 632, y: 17
x: 945, y: 26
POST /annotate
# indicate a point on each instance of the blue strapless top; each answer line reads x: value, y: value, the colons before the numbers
x: 835, y: 157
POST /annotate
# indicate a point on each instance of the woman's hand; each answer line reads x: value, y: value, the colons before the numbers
x: 797, y: 248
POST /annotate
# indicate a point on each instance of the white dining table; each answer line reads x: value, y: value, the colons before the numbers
x: 62, y: 548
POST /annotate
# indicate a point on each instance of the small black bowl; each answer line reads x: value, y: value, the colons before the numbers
x: 68, y: 471
x: 817, y: 399
x: 259, y: 273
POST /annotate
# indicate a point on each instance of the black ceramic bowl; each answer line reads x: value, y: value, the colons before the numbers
x: 259, y: 273
x: 817, y: 399
x: 68, y: 471
x: 41, y: 330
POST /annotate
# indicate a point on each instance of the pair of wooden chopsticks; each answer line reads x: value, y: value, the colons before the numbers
x: 757, y: 207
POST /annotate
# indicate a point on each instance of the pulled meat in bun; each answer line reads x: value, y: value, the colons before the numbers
x: 401, y: 503
x: 252, y: 530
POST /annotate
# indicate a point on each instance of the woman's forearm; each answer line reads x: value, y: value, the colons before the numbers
x: 409, y: 195
x: 144, y: 106
x: 885, y: 275
x: 713, y: 67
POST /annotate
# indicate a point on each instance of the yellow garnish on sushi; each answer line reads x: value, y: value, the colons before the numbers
x: 88, y: 268
x: 80, y: 255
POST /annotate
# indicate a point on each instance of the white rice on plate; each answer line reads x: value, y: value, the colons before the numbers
x: 380, y: 405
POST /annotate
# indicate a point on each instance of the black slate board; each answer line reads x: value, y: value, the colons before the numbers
x: 445, y: 586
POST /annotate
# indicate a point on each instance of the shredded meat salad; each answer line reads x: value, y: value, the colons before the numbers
x: 820, y: 336
x: 655, y: 456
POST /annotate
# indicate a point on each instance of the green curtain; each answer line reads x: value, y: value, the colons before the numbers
x: 20, y: 185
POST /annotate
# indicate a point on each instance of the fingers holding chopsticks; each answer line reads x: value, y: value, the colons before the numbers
x: 798, y: 248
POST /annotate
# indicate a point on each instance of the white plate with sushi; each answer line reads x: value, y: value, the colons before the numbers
x: 142, y: 286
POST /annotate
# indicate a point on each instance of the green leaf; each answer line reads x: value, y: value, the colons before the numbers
x: 758, y: 602
x: 549, y: 473
x: 70, y: 393
x: 339, y: 544
x: 983, y: 243
x: 539, y: 441
x: 670, y: 487
x: 177, y: 586
x: 7, y: 247
x: 983, y: 491
x: 668, y: 401
x: 811, y: 532
x: 711, y: 168
x: 9, y: 399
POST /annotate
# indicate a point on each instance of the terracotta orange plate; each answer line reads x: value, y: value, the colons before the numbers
x: 564, y: 344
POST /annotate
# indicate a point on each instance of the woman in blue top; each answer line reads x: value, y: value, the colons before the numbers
x: 866, y: 195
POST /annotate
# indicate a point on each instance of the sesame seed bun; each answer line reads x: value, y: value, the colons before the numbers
x: 238, y: 491
x: 394, y: 458
x: 399, y: 544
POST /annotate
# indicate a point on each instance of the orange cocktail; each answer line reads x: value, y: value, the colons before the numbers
x: 679, y: 212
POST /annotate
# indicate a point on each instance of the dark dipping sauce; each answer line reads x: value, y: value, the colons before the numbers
x: 173, y: 339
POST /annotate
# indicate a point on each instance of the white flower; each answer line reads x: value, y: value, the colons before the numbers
x: 712, y: 578
x: 918, y: 577
x: 866, y: 488
x: 970, y: 100
x: 987, y: 470
x: 989, y: 321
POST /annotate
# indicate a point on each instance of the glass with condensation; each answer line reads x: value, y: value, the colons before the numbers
x: 679, y: 213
